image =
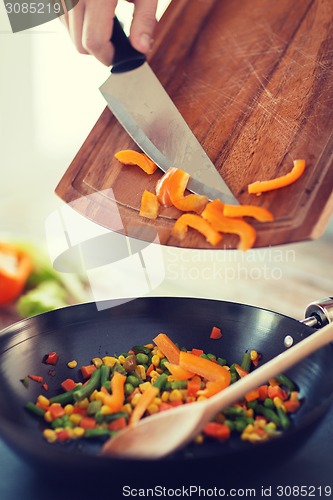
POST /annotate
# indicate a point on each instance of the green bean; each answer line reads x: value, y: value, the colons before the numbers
x: 284, y: 419
x: 93, y: 384
x: 221, y: 361
x: 284, y: 380
x: 107, y: 385
x: 35, y: 409
x: 268, y: 403
x: 160, y: 383
x: 268, y: 413
x: 203, y: 355
x: 117, y: 367
x: 234, y: 411
x: 100, y: 417
x: 211, y: 356
x: 240, y: 424
x: 246, y: 361
x: 179, y: 384
x: 230, y: 424
x: 66, y: 397
x: 162, y: 366
x: 105, y: 373
x: 252, y: 404
x: 128, y: 388
x: 97, y: 433
x: 233, y: 377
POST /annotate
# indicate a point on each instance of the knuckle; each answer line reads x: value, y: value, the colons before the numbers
x: 92, y: 44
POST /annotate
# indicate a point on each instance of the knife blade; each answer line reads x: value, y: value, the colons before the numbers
x: 144, y: 109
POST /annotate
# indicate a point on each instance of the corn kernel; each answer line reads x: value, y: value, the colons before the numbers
x: 121, y: 359
x: 127, y: 408
x: 135, y: 399
x: 72, y: 364
x: 273, y: 382
x: 141, y: 372
x: 97, y: 362
x: 43, y: 400
x: 68, y: 409
x: 271, y: 426
x: 159, y: 370
x: 109, y: 361
x: 70, y: 432
x: 78, y: 432
x: 201, y: 398
x: 154, y: 374
x: 152, y: 408
x: 253, y: 355
x: 165, y: 396
x: 50, y: 435
x: 170, y: 378
x: 75, y: 418
x: 149, y: 346
x: 106, y: 410
x: 143, y: 387
x: 175, y: 395
x: 48, y: 417
x: 159, y: 354
x: 84, y: 403
x: 250, y: 412
x: 157, y: 401
x: 98, y: 396
x: 199, y: 439
x: 155, y: 360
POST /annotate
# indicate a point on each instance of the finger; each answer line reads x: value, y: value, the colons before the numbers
x: 143, y: 24
x: 64, y: 17
x: 75, y: 24
x: 97, y: 29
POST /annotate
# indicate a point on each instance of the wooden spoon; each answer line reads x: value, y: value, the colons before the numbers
x: 158, y: 435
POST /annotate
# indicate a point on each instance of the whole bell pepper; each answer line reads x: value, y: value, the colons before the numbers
x: 15, y: 268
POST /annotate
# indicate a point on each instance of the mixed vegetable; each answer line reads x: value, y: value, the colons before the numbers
x: 117, y: 391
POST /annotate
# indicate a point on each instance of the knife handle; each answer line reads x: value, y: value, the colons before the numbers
x: 126, y: 57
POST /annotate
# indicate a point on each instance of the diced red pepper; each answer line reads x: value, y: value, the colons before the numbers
x: 216, y: 333
x: 118, y: 424
x: 62, y: 435
x: 45, y: 386
x: 51, y: 358
x: 217, y: 430
x: 193, y: 386
x: 277, y: 392
x: 165, y: 406
x: 56, y: 411
x: 80, y: 411
x: 88, y: 423
x: 68, y: 384
x: 36, y: 378
x: 197, y: 352
x: 263, y: 392
x: 87, y: 371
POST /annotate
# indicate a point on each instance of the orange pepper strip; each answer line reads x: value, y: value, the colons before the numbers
x: 15, y: 268
x: 130, y: 157
x: 212, y: 387
x: 214, y: 214
x: 115, y: 401
x: 204, y: 367
x: 147, y: 397
x: 185, y: 221
x: 240, y: 370
x: 149, y: 205
x: 177, y: 184
x: 169, y: 348
x: 162, y: 188
x: 259, y: 213
x: 259, y: 187
x: 177, y: 372
x: 252, y: 395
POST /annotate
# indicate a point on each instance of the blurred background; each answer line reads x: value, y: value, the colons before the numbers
x: 49, y: 101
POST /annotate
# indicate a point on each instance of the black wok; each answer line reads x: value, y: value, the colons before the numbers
x: 82, y: 332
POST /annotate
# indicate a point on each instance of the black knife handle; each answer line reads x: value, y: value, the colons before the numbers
x: 126, y: 57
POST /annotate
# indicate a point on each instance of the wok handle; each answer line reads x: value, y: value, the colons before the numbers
x: 319, y: 313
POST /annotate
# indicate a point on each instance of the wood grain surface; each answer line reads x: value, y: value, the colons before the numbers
x: 255, y: 84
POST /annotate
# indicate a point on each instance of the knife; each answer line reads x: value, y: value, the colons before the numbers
x: 141, y: 105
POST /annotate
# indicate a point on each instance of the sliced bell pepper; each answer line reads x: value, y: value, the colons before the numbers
x: 177, y: 372
x: 162, y: 188
x: 240, y: 370
x: 259, y: 187
x: 176, y: 184
x: 214, y: 214
x: 261, y: 214
x: 149, y: 205
x: 147, y: 397
x: 15, y: 267
x: 212, y: 387
x: 185, y: 221
x: 204, y: 367
x: 115, y: 401
x: 130, y: 157
x: 168, y: 347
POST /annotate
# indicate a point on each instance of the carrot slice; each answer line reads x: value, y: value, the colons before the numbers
x: 259, y: 187
x: 147, y: 397
x: 204, y: 367
x: 259, y: 213
x: 214, y: 214
x: 185, y: 221
x: 163, y: 188
x: 240, y: 370
x: 149, y: 205
x: 130, y: 157
x: 177, y: 184
x: 177, y: 372
x: 169, y: 348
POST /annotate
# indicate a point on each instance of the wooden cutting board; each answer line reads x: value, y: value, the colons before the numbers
x: 255, y: 84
